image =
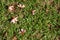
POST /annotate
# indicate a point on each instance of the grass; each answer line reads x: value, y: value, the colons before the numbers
x: 44, y: 25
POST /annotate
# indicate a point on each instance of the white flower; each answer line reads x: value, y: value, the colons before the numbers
x: 22, y: 31
x: 14, y: 20
x: 11, y: 8
x: 21, y: 6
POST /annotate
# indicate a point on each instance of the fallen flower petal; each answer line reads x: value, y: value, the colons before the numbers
x: 33, y: 12
x: 19, y: 5
x: 23, y: 6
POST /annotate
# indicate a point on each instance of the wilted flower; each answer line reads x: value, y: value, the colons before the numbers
x: 21, y: 6
x: 33, y: 12
x: 22, y: 31
x: 14, y: 20
x: 14, y: 38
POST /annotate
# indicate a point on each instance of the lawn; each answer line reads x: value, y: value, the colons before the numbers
x: 38, y: 20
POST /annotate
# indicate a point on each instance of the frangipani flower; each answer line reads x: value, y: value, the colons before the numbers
x: 14, y: 20
x: 22, y: 31
x: 11, y: 8
x: 21, y: 6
